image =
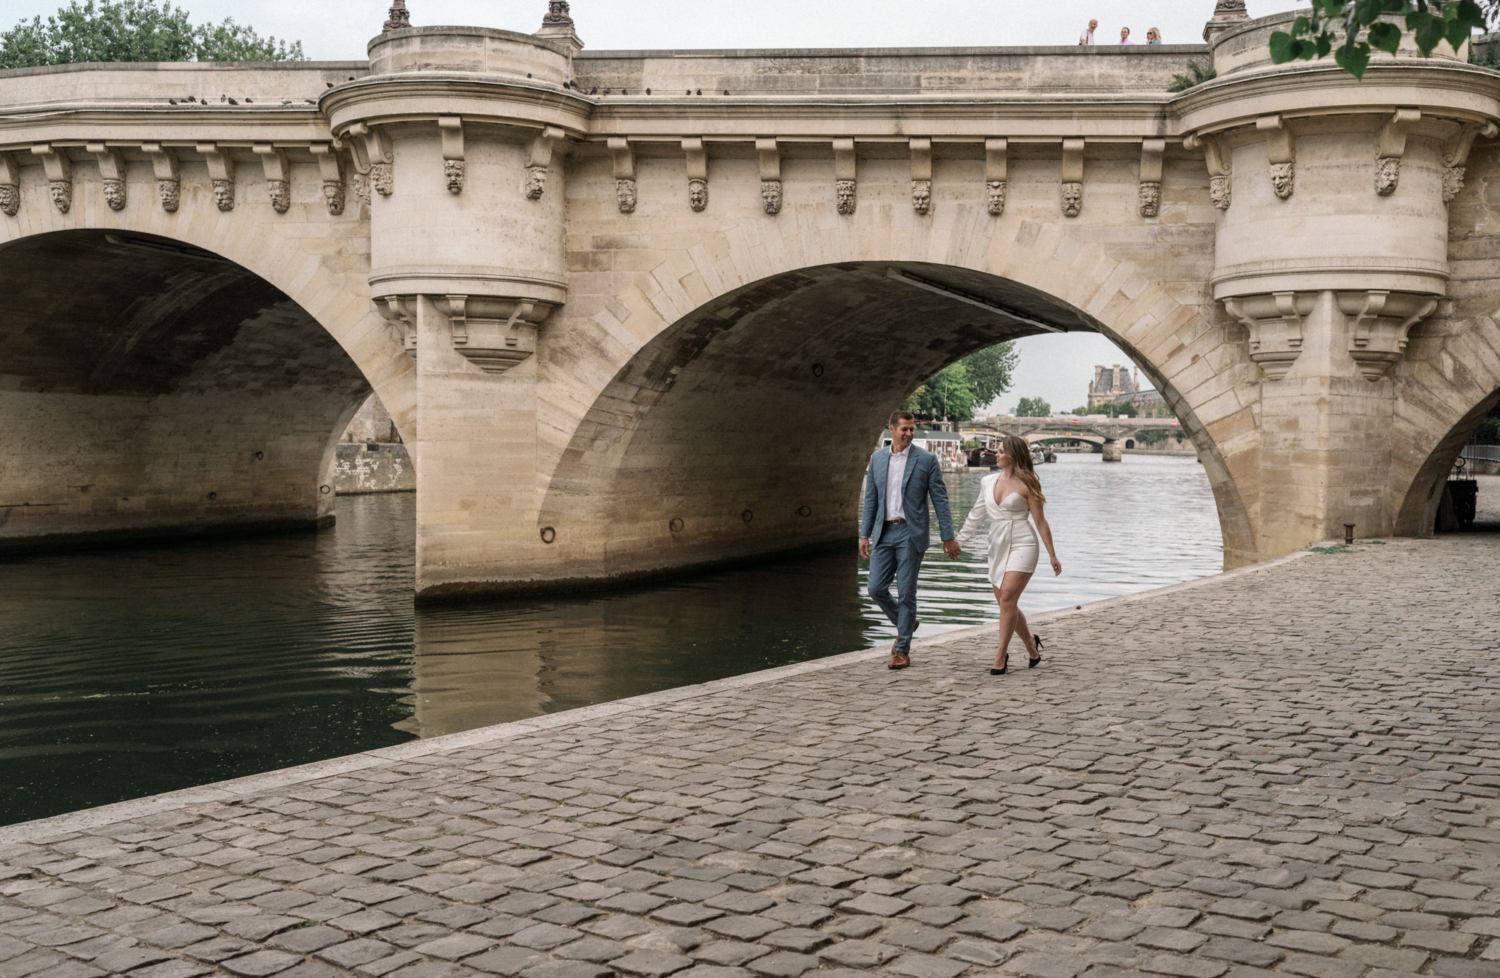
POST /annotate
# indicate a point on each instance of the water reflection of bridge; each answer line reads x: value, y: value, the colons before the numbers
x: 1111, y: 435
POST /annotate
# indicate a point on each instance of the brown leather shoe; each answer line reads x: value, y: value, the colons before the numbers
x: 899, y: 660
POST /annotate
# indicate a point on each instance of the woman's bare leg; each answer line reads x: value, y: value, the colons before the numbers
x: 1006, y: 595
x: 1023, y: 631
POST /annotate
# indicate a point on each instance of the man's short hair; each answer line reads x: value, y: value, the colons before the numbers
x: 901, y: 416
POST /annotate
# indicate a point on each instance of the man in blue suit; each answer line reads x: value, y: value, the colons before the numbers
x: 893, y: 528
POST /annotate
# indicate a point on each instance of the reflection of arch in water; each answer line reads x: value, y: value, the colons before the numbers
x: 477, y: 666
x: 152, y: 386
x: 745, y: 424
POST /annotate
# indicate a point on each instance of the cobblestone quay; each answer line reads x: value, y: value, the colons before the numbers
x: 1290, y: 769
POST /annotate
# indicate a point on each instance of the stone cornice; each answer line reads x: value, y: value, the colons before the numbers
x: 390, y: 99
x: 74, y: 127
x: 976, y: 118
x: 1438, y: 88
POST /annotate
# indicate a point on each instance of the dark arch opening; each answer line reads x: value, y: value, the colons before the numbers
x: 1433, y: 503
x: 724, y: 412
x: 151, y: 389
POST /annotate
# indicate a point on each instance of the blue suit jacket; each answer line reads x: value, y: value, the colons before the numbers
x: 923, y: 477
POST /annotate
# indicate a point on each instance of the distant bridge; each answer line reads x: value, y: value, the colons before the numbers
x: 1111, y: 435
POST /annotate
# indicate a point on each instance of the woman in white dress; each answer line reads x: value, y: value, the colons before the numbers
x: 1009, y: 500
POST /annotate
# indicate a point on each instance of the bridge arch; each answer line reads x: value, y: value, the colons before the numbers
x: 184, y: 372
x: 743, y: 425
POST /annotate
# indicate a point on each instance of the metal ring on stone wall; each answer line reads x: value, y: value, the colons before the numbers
x: 213, y: 495
x: 805, y: 511
x: 747, y: 516
x: 325, y: 490
x: 548, y: 534
x: 817, y: 370
x: 259, y: 456
x: 675, y: 526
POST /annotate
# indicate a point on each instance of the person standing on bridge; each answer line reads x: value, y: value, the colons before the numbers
x: 1007, y: 499
x: 893, y: 527
x: 1086, y: 39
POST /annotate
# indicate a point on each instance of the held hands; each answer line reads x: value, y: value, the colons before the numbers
x: 952, y: 549
x: 864, y: 547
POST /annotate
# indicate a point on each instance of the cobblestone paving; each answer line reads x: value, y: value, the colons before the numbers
x: 1293, y: 771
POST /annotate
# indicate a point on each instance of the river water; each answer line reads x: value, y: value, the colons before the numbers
x: 130, y: 672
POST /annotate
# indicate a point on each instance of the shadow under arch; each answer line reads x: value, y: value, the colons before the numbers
x: 744, y: 427
x: 151, y: 388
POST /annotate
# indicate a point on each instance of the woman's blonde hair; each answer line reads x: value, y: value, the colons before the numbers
x: 1019, y: 453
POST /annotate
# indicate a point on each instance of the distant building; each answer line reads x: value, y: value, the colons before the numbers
x: 1119, y: 385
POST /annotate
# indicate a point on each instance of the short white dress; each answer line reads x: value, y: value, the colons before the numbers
x: 1013, y: 542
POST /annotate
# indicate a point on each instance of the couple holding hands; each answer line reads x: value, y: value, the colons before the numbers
x: 893, y: 533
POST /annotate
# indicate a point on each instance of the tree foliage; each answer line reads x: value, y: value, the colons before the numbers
x: 1033, y: 407
x: 1489, y: 428
x: 134, y: 30
x: 948, y: 394
x: 957, y: 392
x: 990, y: 371
x: 1351, y: 29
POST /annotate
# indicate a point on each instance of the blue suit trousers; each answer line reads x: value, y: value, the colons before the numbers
x: 897, y: 556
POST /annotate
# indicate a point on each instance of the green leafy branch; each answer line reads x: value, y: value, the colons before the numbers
x: 1367, y: 25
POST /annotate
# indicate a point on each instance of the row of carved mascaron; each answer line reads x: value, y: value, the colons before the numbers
x: 374, y: 166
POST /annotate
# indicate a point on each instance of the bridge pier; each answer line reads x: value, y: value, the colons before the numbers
x: 1113, y: 449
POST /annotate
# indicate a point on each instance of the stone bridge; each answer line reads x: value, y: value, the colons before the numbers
x: 597, y: 289
x: 1109, y: 434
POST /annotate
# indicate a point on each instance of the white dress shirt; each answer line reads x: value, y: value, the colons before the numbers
x: 895, y: 475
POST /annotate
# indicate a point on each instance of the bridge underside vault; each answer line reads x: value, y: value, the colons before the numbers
x: 746, y: 426
x: 149, y: 388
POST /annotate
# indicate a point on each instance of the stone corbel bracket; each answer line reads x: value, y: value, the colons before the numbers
x: 1380, y: 324
x: 168, y: 176
x: 921, y: 174
x: 770, y: 174
x: 221, y: 172
x: 455, y: 166
x: 401, y: 312
x: 1275, y: 324
x: 1391, y: 147
x: 996, y: 174
x: 373, y: 157
x: 112, y: 173
x: 331, y: 169
x: 491, y: 332
x: 59, y: 170
x: 1149, y: 197
x: 845, y: 176
x: 539, y: 160
x: 278, y: 176
x: 1072, y: 177
x: 1456, y: 155
x: 697, y: 172
x: 1216, y: 158
x: 1281, y: 150
x: 623, y: 155
x: 10, y: 185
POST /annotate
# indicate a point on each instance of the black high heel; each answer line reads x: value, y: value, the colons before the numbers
x: 1036, y: 640
x: 1002, y: 670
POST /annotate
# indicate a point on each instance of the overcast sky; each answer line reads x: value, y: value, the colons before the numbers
x: 339, y: 29
x: 1057, y: 369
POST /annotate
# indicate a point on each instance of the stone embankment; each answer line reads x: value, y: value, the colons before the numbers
x: 1293, y: 772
